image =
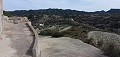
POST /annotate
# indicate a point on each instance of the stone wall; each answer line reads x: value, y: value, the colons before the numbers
x: 35, y: 50
x: 18, y: 19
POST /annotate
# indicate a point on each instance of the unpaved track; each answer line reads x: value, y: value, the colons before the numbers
x: 21, y: 39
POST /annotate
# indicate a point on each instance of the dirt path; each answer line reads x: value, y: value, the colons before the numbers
x: 20, y: 39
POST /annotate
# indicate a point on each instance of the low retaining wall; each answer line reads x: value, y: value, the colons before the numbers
x: 35, y: 51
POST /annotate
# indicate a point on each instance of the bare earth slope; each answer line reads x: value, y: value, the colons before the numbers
x: 21, y: 39
x: 66, y: 47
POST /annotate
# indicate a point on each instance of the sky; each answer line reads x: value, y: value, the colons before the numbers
x: 81, y: 5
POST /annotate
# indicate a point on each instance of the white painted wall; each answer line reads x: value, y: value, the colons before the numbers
x: 1, y: 12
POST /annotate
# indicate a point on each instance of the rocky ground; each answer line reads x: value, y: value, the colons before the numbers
x: 66, y: 47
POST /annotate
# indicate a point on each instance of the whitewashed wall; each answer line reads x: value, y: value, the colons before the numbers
x: 1, y: 11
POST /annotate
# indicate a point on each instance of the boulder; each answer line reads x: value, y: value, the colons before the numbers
x: 107, y: 42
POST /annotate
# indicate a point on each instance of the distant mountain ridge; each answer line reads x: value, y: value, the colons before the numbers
x: 106, y: 20
x: 62, y: 12
x: 114, y: 11
x: 72, y: 11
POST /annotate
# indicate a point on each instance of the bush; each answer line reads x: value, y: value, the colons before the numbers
x: 57, y: 34
x: 51, y: 32
x: 47, y: 32
x: 77, y: 33
x: 107, y: 42
x: 111, y: 49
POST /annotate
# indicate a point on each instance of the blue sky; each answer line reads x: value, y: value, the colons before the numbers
x: 85, y: 5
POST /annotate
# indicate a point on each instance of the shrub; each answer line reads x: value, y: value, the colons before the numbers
x: 51, y: 32
x: 47, y: 32
x: 108, y: 48
x: 57, y: 34
x: 107, y: 42
x: 77, y: 33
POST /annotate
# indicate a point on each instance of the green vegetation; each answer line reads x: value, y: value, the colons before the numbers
x: 78, y: 32
x: 111, y: 49
x: 57, y: 34
x: 107, y: 42
x: 108, y: 21
x: 47, y: 32
x: 51, y: 32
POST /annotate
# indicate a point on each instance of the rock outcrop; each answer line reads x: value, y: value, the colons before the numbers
x: 66, y: 47
x: 107, y: 42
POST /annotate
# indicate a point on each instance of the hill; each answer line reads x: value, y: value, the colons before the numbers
x: 105, y: 20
